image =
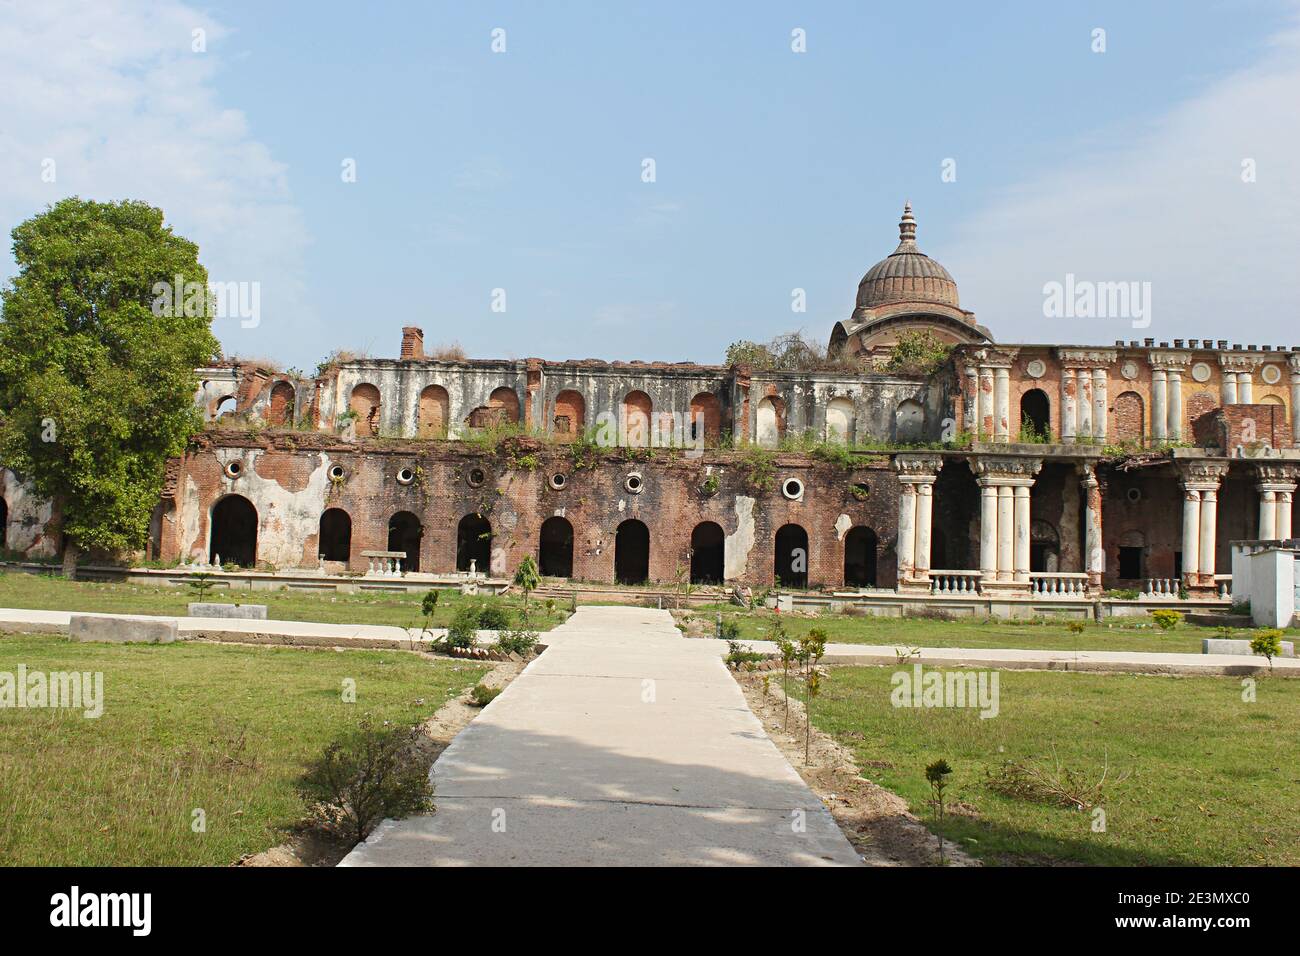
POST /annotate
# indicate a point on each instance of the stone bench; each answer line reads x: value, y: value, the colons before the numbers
x: 246, y: 612
x: 121, y: 630
x: 1225, y: 645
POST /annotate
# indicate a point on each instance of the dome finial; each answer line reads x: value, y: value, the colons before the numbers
x: 907, y: 225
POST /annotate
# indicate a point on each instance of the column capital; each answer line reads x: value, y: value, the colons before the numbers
x: 1169, y: 361
x: 1071, y: 358
x: 1276, y: 477
x: 1202, y: 475
x: 1293, y: 360
x: 993, y: 357
x: 1004, y: 469
x: 918, y: 469
x: 1240, y: 361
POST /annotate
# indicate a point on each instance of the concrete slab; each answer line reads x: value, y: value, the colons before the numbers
x: 118, y: 630
x: 625, y: 744
x: 249, y: 612
x: 1235, y: 646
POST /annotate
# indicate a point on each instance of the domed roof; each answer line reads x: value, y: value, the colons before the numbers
x: 907, y: 275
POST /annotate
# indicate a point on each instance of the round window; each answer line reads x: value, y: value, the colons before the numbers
x: 1134, y: 495
x: 405, y: 476
x: 792, y: 488
x: 337, y: 473
x: 234, y: 469
x: 475, y: 477
x: 558, y: 481
x: 634, y: 483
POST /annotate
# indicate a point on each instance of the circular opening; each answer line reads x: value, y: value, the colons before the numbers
x: 634, y: 483
x: 792, y: 488
x: 475, y: 477
x: 558, y: 481
x: 336, y: 472
x: 860, y: 490
x: 405, y: 476
x: 1134, y: 494
x: 234, y: 469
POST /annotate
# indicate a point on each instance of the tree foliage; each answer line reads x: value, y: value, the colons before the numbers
x: 96, y: 390
x: 791, y: 352
x: 918, y: 352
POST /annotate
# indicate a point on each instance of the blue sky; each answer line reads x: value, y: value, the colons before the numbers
x: 775, y: 170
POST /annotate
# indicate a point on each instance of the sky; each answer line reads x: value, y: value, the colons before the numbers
x: 502, y: 197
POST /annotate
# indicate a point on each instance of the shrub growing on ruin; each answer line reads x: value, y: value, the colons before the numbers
x: 368, y: 773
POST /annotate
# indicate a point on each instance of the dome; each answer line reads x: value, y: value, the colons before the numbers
x: 907, y: 275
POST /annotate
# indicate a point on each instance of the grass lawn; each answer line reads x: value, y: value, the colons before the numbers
x: 222, y: 728
x: 48, y: 592
x: 1117, y: 635
x: 1212, y: 779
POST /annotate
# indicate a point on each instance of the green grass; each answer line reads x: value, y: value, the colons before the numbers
x: 185, y: 726
x: 1118, y: 635
x: 48, y: 592
x: 1212, y: 779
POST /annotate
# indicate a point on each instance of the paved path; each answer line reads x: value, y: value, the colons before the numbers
x: 623, y: 744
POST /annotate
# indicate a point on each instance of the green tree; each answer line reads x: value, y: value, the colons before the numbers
x: 527, y: 579
x: 96, y: 371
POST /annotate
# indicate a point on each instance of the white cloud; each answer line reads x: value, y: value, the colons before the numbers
x: 1166, y: 204
x: 114, y: 94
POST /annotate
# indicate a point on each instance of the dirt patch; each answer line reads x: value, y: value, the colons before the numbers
x: 308, y: 847
x: 875, y: 820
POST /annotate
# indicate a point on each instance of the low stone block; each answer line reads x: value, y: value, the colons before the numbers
x: 243, y: 612
x: 1223, y: 645
x: 121, y: 630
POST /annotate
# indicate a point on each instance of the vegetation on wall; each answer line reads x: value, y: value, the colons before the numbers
x: 918, y: 352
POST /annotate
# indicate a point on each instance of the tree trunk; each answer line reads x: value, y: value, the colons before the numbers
x: 70, y: 554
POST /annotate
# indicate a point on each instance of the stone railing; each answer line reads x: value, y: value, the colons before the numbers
x: 1223, y: 584
x: 954, y: 582
x: 384, y: 564
x: 1058, y: 584
x: 1164, y: 589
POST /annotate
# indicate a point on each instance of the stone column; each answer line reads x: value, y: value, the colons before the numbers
x: 1021, y: 567
x: 924, y: 511
x: 1159, y: 405
x: 971, y: 418
x: 1228, y: 390
x: 1191, y: 530
x: 1175, y: 427
x: 1085, y: 403
x: 1284, y: 513
x: 1099, y: 403
x: 1002, y: 403
x: 1006, y: 529
x: 986, y: 403
x: 1068, y: 396
x: 906, y: 531
x: 1209, y: 517
x: 1094, y: 552
x: 1295, y: 397
x: 988, y: 530
x: 1246, y: 388
x: 1267, y: 515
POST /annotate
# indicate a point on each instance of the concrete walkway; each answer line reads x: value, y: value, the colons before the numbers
x: 624, y: 744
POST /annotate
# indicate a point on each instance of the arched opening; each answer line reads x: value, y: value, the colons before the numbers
x: 225, y: 406
x: 404, y: 534
x: 234, y: 532
x: 1035, y: 416
x: 706, y: 413
x: 365, y: 403
x: 909, y: 421
x: 860, y: 557
x: 1044, y: 547
x: 839, y: 420
x: 632, y: 553
x: 1130, y: 418
x: 556, y: 548
x: 504, y: 402
x: 280, y: 411
x: 334, y: 543
x: 770, y: 422
x: 570, y: 414
x: 707, y: 547
x: 474, y: 543
x: 637, y: 409
x: 434, y: 412
x: 790, y: 569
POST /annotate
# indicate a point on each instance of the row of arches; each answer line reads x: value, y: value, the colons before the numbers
x: 233, y: 539
x: 1128, y: 413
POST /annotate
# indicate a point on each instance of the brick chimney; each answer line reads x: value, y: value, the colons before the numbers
x: 412, y: 343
